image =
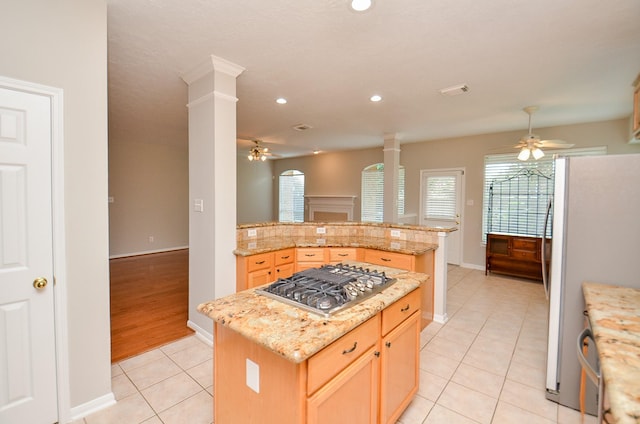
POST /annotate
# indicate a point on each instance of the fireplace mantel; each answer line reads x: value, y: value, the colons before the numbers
x: 329, y: 208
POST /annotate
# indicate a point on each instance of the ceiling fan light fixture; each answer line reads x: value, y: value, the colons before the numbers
x: 524, y: 154
x: 537, y: 153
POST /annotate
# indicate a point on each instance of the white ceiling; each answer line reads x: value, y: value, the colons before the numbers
x: 576, y: 59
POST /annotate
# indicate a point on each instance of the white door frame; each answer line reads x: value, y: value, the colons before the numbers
x: 462, y: 203
x: 59, y: 257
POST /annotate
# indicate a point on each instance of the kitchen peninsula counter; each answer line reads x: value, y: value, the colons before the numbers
x: 253, y: 247
x: 614, y: 315
x: 294, y: 333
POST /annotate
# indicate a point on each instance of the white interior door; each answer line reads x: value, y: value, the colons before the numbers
x: 441, y: 206
x: 27, y: 338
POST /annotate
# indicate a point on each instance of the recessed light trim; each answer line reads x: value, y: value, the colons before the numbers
x: 281, y: 101
x: 361, y: 5
x: 375, y: 98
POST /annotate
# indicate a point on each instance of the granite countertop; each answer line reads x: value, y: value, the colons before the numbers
x: 264, y: 320
x: 253, y: 247
x: 614, y: 314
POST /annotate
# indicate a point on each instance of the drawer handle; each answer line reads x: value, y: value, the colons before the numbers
x: 406, y: 308
x: 260, y: 262
x: 284, y: 257
x: 343, y: 254
x: 309, y: 254
x: 344, y: 352
x: 388, y: 344
x: 386, y: 260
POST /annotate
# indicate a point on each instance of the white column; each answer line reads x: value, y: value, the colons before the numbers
x: 391, y: 176
x: 440, y: 280
x: 212, y: 185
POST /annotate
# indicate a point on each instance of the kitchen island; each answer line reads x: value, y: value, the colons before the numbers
x: 614, y: 316
x: 276, y: 363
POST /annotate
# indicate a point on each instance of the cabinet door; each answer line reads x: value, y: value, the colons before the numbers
x: 400, y: 374
x: 350, y: 397
x: 284, y: 271
x: 259, y: 278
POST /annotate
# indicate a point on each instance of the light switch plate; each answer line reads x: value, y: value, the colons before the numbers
x: 395, y: 233
x: 321, y: 230
x: 253, y: 376
x: 252, y: 232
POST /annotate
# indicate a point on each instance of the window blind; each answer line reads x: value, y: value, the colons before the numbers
x: 516, y: 193
x: 372, y: 203
x: 440, y: 198
x: 291, y: 196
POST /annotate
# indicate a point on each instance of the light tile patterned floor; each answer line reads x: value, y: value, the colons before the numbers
x: 485, y: 365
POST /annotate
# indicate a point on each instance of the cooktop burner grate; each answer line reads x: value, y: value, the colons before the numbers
x: 327, y: 289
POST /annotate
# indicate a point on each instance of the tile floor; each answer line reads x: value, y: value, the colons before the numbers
x: 485, y: 365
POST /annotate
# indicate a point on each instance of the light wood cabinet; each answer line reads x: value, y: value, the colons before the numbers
x: 257, y: 270
x: 310, y: 257
x: 369, y: 375
x: 390, y: 259
x: 341, y: 254
x: 515, y: 255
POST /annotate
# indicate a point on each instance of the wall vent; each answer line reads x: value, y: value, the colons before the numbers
x: 455, y: 90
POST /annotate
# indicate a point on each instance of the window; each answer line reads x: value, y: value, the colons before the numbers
x: 440, y: 197
x: 291, y: 196
x: 516, y: 193
x: 373, y: 193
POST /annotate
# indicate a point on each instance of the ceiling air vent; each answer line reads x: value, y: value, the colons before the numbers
x: 455, y: 90
x: 302, y: 127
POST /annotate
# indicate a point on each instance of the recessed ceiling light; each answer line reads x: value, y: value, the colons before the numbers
x: 375, y: 98
x: 360, y: 5
x: 281, y: 100
x: 316, y: 151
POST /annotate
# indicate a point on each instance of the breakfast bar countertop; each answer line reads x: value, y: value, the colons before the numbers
x: 614, y: 315
x: 295, y: 333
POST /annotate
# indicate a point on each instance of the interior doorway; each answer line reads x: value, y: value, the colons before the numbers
x: 149, y: 301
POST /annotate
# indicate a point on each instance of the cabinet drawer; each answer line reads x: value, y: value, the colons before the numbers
x: 285, y: 256
x: 524, y: 244
x: 311, y: 254
x: 400, y: 310
x: 339, y: 254
x: 390, y: 259
x: 261, y: 261
x: 327, y: 363
x: 524, y: 254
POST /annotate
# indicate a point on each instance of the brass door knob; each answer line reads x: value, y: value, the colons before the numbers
x: 40, y: 283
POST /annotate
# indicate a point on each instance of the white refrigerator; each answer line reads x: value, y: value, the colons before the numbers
x: 596, y: 238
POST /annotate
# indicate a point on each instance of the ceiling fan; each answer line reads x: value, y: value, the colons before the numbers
x: 259, y: 152
x: 531, y: 145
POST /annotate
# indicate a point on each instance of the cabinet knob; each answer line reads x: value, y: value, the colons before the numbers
x: 388, y: 344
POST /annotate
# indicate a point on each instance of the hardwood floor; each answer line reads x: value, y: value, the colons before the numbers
x: 149, y: 302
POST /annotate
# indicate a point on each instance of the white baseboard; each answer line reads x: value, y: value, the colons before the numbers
x: 472, y: 266
x: 440, y: 319
x: 201, y: 333
x: 148, y: 252
x: 81, y: 411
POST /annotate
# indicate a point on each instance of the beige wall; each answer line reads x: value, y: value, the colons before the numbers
x: 339, y: 173
x: 64, y: 44
x: 149, y: 183
x: 254, y: 199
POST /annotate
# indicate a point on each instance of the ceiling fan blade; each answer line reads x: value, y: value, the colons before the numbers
x: 555, y: 144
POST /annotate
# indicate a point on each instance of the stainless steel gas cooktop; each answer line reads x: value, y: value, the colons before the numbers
x: 328, y: 289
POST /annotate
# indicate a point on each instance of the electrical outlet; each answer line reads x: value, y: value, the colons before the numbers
x: 151, y: 239
x: 252, y: 232
x: 321, y: 241
x: 395, y: 245
x: 253, y: 375
x: 395, y: 233
x: 321, y: 230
